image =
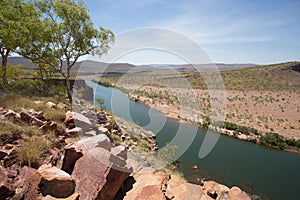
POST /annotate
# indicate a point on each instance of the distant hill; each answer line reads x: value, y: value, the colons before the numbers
x: 95, y: 67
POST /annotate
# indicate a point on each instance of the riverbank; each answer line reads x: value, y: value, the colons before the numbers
x: 188, y: 115
x: 59, y: 169
x: 200, y: 118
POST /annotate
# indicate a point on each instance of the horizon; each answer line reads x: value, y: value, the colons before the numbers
x: 170, y: 64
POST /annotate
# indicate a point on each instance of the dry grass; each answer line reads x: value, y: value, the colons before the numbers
x: 32, y: 150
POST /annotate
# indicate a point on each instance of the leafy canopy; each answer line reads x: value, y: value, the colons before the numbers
x: 67, y: 34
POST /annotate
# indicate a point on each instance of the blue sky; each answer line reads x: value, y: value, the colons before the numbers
x: 253, y: 31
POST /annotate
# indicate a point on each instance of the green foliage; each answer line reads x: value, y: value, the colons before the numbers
x: 100, y: 103
x: 105, y: 83
x: 274, y: 139
x: 18, y: 24
x: 242, y: 129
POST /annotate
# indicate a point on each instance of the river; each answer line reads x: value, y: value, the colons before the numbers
x: 270, y: 173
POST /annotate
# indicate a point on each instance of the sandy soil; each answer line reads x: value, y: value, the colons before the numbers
x: 267, y: 111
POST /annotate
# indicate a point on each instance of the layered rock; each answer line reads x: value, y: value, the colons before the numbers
x: 98, y: 173
x: 55, y: 182
x: 28, y: 184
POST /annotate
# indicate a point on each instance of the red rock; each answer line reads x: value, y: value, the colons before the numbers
x: 5, y: 191
x: 71, y: 156
x: 53, y: 157
x: 3, y: 153
x: 74, y: 196
x: 97, y: 179
x: 49, y: 126
x: 28, y: 184
x: 56, y: 182
x: 30, y: 119
x: 119, y: 151
x: 74, y: 132
x: 150, y: 192
x: 12, y: 115
x: 236, y: 193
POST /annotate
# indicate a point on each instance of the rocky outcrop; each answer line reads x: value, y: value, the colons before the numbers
x: 6, y: 183
x: 98, y: 173
x: 55, y: 182
x: 150, y: 184
x: 28, y: 184
x: 237, y: 193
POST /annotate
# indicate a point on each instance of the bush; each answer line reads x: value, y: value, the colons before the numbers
x: 273, y: 139
x: 32, y: 151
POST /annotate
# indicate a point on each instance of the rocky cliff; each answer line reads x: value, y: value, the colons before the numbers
x: 93, y: 157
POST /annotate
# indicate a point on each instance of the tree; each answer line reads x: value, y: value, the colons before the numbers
x: 68, y: 34
x: 18, y: 23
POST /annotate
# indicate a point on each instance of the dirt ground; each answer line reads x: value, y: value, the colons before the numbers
x: 267, y: 111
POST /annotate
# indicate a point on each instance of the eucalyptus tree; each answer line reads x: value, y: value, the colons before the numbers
x: 18, y: 23
x: 68, y: 34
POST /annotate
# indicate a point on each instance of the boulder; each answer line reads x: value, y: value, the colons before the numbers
x: 30, y: 119
x: 12, y: 115
x: 49, y: 126
x: 5, y: 191
x: 146, y: 180
x: 56, y: 182
x: 150, y: 192
x: 79, y: 120
x: 214, y: 189
x: 6, y: 182
x: 179, y: 189
x: 99, y: 177
x: 94, y: 142
x: 74, y: 132
x: 72, y: 154
x: 119, y: 151
x: 28, y: 184
x: 74, y: 196
x: 236, y: 193
x: 98, y: 173
x: 3, y: 153
x: 50, y: 104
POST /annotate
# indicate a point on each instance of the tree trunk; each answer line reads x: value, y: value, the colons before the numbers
x: 68, y: 84
x: 4, y: 65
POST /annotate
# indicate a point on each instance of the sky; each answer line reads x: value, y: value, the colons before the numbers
x: 228, y: 31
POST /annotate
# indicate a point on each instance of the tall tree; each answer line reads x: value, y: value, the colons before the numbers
x: 18, y: 23
x: 67, y: 35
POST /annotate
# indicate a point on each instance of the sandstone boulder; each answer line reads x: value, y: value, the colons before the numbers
x: 150, y: 192
x: 28, y: 184
x: 98, y: 173
x: 179, y: 189
x: 6, y: 182
x: 30, y: 119
x: 119, y: 151
x: 72, y: 154
x: 236, y: 193
x: 74, y: 196
x: 79, y: 120
x: 56, y: 182
x: 99, y: 177
x: 91, y: 143
x: 50, y: 104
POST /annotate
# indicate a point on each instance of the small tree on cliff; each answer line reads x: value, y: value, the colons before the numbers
x: 68, y: 34
x: 18, y: 24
